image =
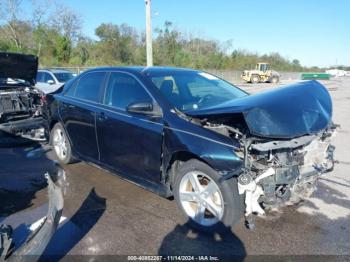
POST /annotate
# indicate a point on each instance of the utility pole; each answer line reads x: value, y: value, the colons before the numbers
x: 149, y: 34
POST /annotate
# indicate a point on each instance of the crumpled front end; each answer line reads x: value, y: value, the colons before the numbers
x: 282, y: 172
x: 22, y: 112
x: 285, y: 142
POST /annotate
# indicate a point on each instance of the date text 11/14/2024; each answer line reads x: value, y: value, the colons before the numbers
x: 173, y: 258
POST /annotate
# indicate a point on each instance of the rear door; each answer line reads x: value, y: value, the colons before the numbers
x: 130, y: 143
x: 78, y: 111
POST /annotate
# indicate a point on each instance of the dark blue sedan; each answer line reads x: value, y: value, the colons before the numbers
x: 188, y: 134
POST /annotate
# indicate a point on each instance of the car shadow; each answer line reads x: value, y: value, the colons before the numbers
x: 184, y: 240
x: 76, y: 228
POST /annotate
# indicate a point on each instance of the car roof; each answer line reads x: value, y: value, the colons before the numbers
x: 55, y: 70
x: 141, y: 69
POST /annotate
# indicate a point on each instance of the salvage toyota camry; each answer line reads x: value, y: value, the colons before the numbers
x: 185, y: 133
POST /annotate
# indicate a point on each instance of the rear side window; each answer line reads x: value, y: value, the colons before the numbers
x: 123, y: 90
x: 89, y: 85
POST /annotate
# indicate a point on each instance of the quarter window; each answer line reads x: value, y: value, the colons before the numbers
x: 89, y: 86
x: 123, y: 90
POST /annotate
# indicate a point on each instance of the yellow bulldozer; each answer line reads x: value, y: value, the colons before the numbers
x: 261, y: 74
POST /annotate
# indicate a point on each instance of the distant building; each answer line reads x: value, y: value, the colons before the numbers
x: 338, y: 72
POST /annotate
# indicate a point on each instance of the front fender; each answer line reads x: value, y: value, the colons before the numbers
x: 218, y: 154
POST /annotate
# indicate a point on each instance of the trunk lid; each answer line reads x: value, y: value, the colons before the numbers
x: 18, y: 66
x: 295, y: 110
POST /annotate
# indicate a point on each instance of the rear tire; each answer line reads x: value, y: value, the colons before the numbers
x: 275, y: 79
x: 61, y: 145
x: 254, y: 79
x: 211, y: 205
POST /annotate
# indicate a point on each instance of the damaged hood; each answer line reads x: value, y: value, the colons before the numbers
x: 18, y: 66
x: 295, y: 110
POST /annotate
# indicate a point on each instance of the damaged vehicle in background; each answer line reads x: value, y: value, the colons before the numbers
x: 21, y: 105
x: 188, y: 134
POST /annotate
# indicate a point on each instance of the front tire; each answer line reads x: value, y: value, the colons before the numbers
x: 275, y: 80
x: 61, y: 145
x: 255, y: 79
x: 211, y: 205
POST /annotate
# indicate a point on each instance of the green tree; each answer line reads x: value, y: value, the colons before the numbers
x: 63, y: 49
x: 53, y: 32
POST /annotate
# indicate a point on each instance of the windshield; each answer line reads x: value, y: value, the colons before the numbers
x: 192, y: 90
x: 64, y: 77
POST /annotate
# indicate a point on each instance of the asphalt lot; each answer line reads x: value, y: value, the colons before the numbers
x: 104, y: 214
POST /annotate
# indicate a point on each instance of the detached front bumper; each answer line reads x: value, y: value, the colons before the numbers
x: 38, y: 240
x: 31, y: 128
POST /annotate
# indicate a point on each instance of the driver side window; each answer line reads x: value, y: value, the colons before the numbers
x: 123, y: 89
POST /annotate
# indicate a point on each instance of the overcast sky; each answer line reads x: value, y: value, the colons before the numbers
x: 317, y: 32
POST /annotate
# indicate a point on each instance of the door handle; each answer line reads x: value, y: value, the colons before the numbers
x: 102, y: 117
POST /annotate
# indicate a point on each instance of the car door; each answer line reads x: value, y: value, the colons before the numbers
x: 128, y: 142
x: 78, y: 111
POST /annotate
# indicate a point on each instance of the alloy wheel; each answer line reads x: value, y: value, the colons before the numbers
x: 201, y: 198
x: 60, y: 144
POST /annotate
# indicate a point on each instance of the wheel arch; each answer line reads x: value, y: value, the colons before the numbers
x: 171, y: 166
x: 179, y: 147
x: 52, y: 123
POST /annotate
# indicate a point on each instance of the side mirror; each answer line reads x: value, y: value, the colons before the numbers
x: 50, y: 82
x: 140, y: 108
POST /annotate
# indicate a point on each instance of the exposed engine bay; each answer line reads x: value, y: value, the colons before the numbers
x: 277, y: 172
x: 21, y: 110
